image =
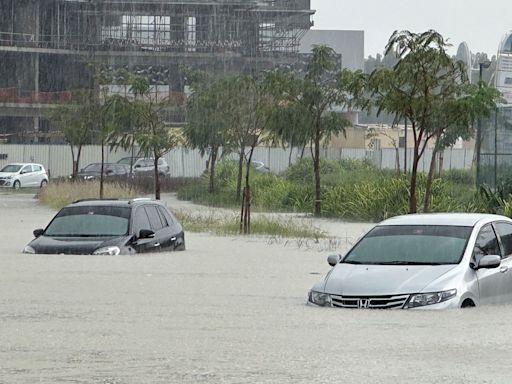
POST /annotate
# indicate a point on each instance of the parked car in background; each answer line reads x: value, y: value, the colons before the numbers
x: 146, y: 165
x: 434, y: 261
x: 21, y: 175
x: 110, y: 227
x: 110, y: 170
x: 260, y: 166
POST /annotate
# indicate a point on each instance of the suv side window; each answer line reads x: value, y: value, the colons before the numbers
x: 154, y: 218
x: 163, y: 219
x: 504, y: 231
x: 140, y: 220
x: 170, y: 220
x: 486, y: 243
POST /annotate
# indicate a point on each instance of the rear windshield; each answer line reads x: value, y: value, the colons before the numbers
x: 90, y: 221
x: 411, y: 244
x: 11, y: 168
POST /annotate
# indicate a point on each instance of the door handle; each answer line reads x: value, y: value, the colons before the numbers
x: 503, y: 269
x: 156, y: 245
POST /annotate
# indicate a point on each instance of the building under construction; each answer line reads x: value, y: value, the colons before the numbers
x: 47, y: 47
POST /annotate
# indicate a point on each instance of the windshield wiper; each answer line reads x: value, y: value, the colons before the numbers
x: 353, y: 262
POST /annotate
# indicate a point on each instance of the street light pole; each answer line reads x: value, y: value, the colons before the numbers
x: 478, y: 144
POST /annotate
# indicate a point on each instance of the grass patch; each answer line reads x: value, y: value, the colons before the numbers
x: 58, y: 194
x: 260, y: 225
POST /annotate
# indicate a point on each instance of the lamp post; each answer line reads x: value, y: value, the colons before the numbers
x: 478, y: 144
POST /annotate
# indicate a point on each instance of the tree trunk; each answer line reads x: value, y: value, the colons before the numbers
x: 102, y: 168
x: 78, y: 155
x: 431, y: 171
x: 290, y: 156
x: 157, y: 178
x: 240, y: 171
x: 316, y: 167
x: 74, y: 162
x: 397, y: 161
x: 412, y: 197
x: 213, y: 159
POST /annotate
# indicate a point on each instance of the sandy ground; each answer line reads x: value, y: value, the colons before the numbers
x: 227, y: 310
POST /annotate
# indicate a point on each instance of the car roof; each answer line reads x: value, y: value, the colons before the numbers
x: 23, y: 164
x: 456, y: 219
x: 113, y: 202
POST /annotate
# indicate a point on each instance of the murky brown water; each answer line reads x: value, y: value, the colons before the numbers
x: 224, y: 311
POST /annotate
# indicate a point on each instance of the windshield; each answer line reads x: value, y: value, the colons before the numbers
x: 90, y: 221
x: 411, y: 244
x: 11, y: 168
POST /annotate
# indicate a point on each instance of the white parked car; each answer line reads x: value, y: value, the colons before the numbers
x: 21, y: 175
x: 146, y: 165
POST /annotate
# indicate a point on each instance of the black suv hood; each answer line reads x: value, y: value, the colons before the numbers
x: 75, y: 245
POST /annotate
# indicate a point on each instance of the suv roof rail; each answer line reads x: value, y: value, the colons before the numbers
x: 140, y: 199
x: 93, y: 199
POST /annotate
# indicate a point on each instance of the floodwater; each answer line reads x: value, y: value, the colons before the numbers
x: 227, y: 310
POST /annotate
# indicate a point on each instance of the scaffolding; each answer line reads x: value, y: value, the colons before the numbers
x: 249, y: 28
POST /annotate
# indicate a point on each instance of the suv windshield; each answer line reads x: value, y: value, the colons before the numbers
x: 90, y: 221
x: 411, y: 244
x: 11, y: 168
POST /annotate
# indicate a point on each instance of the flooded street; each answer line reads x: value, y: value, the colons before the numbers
x: 227, y: 310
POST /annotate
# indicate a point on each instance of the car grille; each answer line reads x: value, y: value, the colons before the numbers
x: 2, y: 181
x: 370, y: 302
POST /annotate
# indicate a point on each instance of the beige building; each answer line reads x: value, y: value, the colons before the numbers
x: 381, y: 136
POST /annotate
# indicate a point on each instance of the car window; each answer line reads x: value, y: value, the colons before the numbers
x: 11, y: 168
x: 154, y: 217
x: 504, y: 231
x: 163, y: 219
x: 93, y: 221
x: 141, y: 220
x: 160, y: 161
x: 486, y: 243
x: 26, y: 169
x: 169, y: 218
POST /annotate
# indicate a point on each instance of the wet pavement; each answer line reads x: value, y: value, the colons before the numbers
x: 227, y: 310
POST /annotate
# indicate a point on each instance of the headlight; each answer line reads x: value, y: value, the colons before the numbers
x: 320, y: 299
x: 29, y: 249
x: 8, y: 177
x: 109, y: 251
x: 422, y: 299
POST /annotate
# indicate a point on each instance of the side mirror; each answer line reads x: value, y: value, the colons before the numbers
x: 333, y: 260
x: 488, y: 262
x: 38, y: 232
x: 146, y: 234
x: 137, y: 166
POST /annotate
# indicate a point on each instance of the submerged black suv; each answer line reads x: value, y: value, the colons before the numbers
x: 109, y: 227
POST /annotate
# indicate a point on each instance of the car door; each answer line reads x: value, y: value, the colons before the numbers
x: 158, y: 227
x: 26, y: 176
x: 504, y: 232
x: 141, y: 221
x: 39, y: 175
x: 492, y: 283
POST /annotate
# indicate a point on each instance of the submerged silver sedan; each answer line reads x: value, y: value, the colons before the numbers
x: 433, y: 261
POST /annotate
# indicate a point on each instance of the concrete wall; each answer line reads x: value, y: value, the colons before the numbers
x: 350, y: 44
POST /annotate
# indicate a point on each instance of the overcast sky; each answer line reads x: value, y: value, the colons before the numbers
x: 458, y: 20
